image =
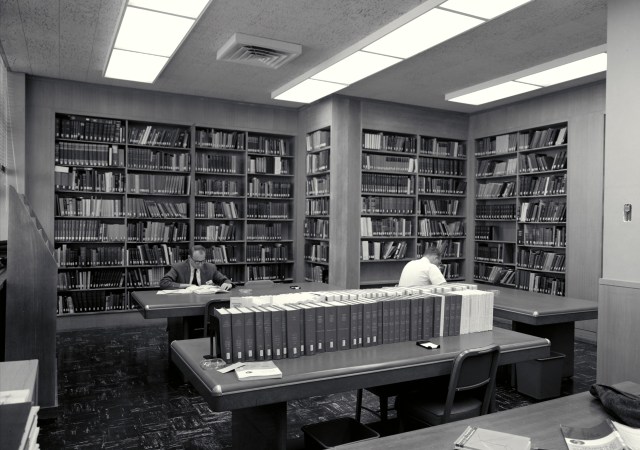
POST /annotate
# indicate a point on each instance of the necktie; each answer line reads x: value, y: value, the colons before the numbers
x: 195, y: 278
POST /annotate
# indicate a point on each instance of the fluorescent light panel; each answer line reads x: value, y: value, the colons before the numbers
x: 309, y: 91
x: 355, y: 67
x: 485, y: 9
x: 423, y: 32
x: 494, y: 93
x: 569, y: 71
x: 125, y: 65
x: 186, y: 8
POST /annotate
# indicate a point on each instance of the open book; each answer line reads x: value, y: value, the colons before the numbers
x: 607, y: 435
x: 258, y: 371
x: 475, y: 438
x: 204, y: 289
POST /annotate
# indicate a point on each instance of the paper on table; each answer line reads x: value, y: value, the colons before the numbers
x: 258, y: 371
x: 204, y: 289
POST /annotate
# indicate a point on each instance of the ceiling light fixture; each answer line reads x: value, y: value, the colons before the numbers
x: 149, y: 34
x: 426, y: 26
x: 568, y: 68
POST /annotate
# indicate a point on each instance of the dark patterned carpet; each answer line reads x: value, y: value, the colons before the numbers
x: 115, y: 391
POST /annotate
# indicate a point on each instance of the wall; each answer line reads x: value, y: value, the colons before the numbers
x: 583, y: 109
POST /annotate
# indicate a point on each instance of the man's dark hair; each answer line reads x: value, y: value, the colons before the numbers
x: 433, y: 251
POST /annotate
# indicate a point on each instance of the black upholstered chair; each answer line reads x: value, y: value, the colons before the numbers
x: 469, y: 394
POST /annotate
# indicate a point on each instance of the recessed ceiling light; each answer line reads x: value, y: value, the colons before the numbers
x: 186, y: 8
x: 485, y: 9
x: 355, y: 67
x: 570, y: 71
x: 133, y: 66
x: 309, y: 91
x: 493, y: 93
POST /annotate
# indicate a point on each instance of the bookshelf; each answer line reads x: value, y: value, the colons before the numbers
x: 317, y: 199
x: 520, y: 219
x: 132, y: 196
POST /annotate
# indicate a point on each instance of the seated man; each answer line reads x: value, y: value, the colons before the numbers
x: 423, y: 271
x: 194, y: 271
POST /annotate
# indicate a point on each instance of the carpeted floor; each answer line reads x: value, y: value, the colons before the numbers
x: 115, y: 391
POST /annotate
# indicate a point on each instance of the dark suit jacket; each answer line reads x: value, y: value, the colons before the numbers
x: 180, y: 274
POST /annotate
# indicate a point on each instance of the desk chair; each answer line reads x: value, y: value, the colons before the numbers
x: 469, y: 394
x: 258, y: 283
x: 384, y: 393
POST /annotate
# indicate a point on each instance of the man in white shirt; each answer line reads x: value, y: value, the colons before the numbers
x: 423, y: 271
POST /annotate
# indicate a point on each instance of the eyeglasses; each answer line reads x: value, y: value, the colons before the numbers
x: 197, y: 262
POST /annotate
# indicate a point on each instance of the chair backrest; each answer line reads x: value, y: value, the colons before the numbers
x: 257, y: 283
x: 474, y: 373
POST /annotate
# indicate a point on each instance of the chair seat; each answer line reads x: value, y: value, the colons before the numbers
x: 431, y: 411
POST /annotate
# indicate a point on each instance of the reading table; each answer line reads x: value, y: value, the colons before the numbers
x: 259, y: 407
x: 541, y: 422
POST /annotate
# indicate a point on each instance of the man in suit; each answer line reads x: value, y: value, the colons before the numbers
x: 194, y: 271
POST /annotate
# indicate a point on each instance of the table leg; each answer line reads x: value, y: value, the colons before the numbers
x: 260, y: 427
x: 561, y: 335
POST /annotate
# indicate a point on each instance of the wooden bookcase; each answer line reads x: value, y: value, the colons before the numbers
x: 521, y: 202
x: 317, y: 200
x: 132, y: 196
x: 413, y: 197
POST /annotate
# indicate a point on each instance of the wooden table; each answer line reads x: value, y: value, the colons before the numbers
x: 541, y: 422
x: 546, y: 316
x: 259, y: 408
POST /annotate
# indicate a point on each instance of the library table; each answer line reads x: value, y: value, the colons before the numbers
x: 259, y: 407
x: 175, y: 307
x: 543, y: 315
x: 541, y: 422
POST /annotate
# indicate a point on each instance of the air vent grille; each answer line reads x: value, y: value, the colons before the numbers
x: 258, y: 51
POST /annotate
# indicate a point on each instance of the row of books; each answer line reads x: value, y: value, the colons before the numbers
x: 387, y: 205
x: 149, y: 277
x: 388, y: 163
x: 439, y: 207
x: 496, y: 190
x: 268, y: 253
x: 505, y: 211
x: 429, y: 185
x: 319, y: 274
x: 212, y: 138
x: 538, y: 162
x: 89, y: 129
x: 495, y: 167
x: 543, y: 211
x: 376, y: 250
x: 88, y: 207
x: 84, y: 154
x: 318, y: 139
x: 146, y: 158
x: 524, y: 140
x: 555, y: 236
x: 548, y: 137
x: 318, y: 185
x: 316, y: 252
x: 494, y: 252
x: 267, y: 231
x: 316, y: 228
x: 88, y: 279
x: 92, y: 301
x: 65, y: 230
x: 448, y: 247
x: 270, y: 145
x: 486, y: 232
x: 385, y: 226
x: 268, y: 210
x: 83, y: 256
x: 378, y: 183
x: 435, y: 166
x: 223, y: 254
x: 535, y: 282
x: 545, y: 185
x: 269, y: 189
x: 145, y: 183
x: 160, y: 254
x: 280, y: 271
x: 541, y: 260
x: 389, y: 142
x: 89, y: 180
x: 451, y: 270
x: 343, y: 320
x: 316, y: 206
x: 146, y: 208
x: 496, y: 145
x: 149, y: 231
x: 235, y: 273
x: 216, y: 163
x: 501, y: 275
x: 269, y: 165
x: 440, y: 228
x: 159, y: 136
x: 217, y: 210
x: 217, y: 232
x: 317, y: 162
x: 434, y: 146
x: 215, y: 186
